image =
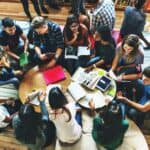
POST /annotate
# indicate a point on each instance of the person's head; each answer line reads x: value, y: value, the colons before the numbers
x: 72, y: 23
x: 9, y: 26
x: 146, y: 76
x: 56, y: 98
x: 27, y: 129
x: 39, y: 24
x: 139, y: 4
x: 103, y: 34
x: 112, y: 114
x: 130, y: 44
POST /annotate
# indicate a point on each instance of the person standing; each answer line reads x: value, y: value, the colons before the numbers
x: 134, y: 21
x: 103, y: 14
x: 25, y: 4
x: 78, y: 7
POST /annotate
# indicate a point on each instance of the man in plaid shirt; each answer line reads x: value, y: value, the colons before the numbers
x: 104, y: 14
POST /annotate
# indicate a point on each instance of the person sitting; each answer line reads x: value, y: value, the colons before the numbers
x: 7, y: 111
x: 63, y: 116
x: 128, y: 59
x: 10, y: 40
x: 134, y: 21
x: 104, y: 47
x: 7, y: 74
x: 31, y: 128
x: 75, y: 35
x: 48, y: 41
x: 109, y: 126
x: 137, y: 110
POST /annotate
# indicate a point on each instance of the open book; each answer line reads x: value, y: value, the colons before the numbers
x: 74, y: 52
x: 33, y: 97
x: 89, y: 80
x: 76, y: 91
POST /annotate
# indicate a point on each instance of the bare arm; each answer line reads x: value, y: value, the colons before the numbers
x: 24, y: 38
x: 142, y: 108
x: 132, y: 76
x: 115, y: 63
x: 8, y: 51
x: 67, y: 42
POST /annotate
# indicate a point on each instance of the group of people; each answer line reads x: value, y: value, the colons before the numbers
x: 49, y: 45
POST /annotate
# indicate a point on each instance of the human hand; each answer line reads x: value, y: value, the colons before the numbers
x: 120, y: 78
x: 43, y: 57
x: 91, y: 104
x: 88, y: 69
x: 75, y: 34
x: 120, y: 96
x: 52, y: 63
x: 41, y: 95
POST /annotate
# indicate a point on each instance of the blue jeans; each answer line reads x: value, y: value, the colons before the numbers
x: 13, y: 81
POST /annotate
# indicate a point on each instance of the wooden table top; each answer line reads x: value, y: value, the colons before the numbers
x: 34, y: 80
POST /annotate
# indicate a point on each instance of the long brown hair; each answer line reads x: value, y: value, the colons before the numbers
x: 133, y: 41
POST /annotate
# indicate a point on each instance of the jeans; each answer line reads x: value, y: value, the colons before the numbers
x: 25, y: 4
x: 13, y: 81
x: 136, y: 116
x: 78, y: 6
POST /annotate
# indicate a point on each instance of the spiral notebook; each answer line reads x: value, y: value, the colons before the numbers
x: 54, y: 75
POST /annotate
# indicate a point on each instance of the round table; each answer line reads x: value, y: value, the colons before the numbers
x: 34, y: 80
x: 100, y: 98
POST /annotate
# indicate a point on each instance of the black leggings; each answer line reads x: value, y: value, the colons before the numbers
x: 35, y: 3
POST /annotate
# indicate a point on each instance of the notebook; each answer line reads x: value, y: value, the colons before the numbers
x: 23, y: 59
x: 76, y: 91
x: 54, y: 75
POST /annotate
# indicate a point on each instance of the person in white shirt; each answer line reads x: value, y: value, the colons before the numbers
x: 63, y: 116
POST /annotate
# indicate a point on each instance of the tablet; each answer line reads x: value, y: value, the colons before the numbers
x: 104, y: 83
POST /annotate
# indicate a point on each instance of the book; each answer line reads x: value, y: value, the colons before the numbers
x: 54, y: 74
x: 33, y: 97
x: 23, y: 59
x: 76, y: 91
x: 83, y: 51
x: 88, y: 80
x: 71, y: 52
x: 74, y: 52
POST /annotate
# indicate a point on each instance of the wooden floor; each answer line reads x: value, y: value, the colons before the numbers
x: 14, y: 10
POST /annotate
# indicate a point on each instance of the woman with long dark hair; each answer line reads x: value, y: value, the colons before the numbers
x: 128, y: 58
x: 75, y: 35
x: 63, y: 116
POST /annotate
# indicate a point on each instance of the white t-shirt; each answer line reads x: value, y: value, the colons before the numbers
x: 68, y: 132
x: 3, y: 114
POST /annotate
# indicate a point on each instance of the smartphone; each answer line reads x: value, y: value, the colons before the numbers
x: 104, y: 83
